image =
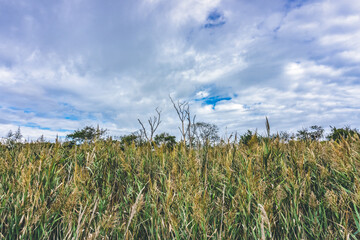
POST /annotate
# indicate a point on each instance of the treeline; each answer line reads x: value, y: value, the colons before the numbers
x: 193, y: 133
x: 202, y: 133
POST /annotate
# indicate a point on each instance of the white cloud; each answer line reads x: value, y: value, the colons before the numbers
x: 190, y: 10
x: 352, y: 56
x: 202, y: 94
x: 6, y: 77
x: 113, y: 63
x: 309, y: 73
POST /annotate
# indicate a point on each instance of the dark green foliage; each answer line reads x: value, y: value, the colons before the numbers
x: 315, y: 133
x: 134, y: 138
x: 129, y: 139
x: 165, y: 139
x: 283, y: 136
x: 338, y: 133
x: 246, y: 137
x: 88, y: 133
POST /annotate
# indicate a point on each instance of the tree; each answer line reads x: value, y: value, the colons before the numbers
x: 41, y: 139
x: 338, y: 133
x: 183, y: 111
x: 166, y: 139
x: 129, y: 139
x: 317, y: 133
x: 134, y: 137
x: 285, y: 136
x: 206, y: 132
x: 14, y: 137
x: 246, y: 137
x: 314, y: 134
x: 154, y: 123
x: 88, y: 133
x: 250, y: 138
x: 303, y: 134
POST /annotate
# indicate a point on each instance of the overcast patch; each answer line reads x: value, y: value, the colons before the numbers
x: 67, y: 64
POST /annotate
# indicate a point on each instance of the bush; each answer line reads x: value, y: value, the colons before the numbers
x: 88, y: 133
x: 338, y: 133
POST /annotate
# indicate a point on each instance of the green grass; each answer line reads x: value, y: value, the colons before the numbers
x: 295, y: 190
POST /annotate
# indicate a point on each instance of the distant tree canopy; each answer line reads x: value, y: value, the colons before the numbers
x: 166, y: 139
x: 135, y: 137
x: 14, y: 136
x: 205, y: 132
x: 286, y: 136
x: 315, y: 133
x: 129, y: 139
x: 248, y: 137
x: 338, y: 133
x: 88, y: 133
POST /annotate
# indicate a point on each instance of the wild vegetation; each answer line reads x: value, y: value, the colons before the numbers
x: 249, y: 188
x: 148, y: 186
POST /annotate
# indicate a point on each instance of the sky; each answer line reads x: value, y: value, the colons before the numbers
x: 70, y: 63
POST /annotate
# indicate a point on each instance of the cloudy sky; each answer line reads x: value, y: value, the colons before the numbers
x: 70, y: 63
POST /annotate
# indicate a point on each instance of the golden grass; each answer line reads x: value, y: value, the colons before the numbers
x: 268, y: 189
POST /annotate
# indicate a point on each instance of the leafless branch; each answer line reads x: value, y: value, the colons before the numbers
x: 190, y: 123
x: 143, y: 130
x: 181, y: 109
x: 154, y: 123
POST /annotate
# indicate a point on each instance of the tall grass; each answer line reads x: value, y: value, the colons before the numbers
x: 267, y: 189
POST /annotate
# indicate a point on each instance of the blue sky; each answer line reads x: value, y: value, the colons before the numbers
x: 70, y: 63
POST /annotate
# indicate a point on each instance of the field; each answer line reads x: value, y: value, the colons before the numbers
x: 104, y: 190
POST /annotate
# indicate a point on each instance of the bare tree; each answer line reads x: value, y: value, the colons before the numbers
x: 180, y: 109
x: 183, y: 111
x: 190, y: 123
x: 154, y: 123
x: 206, y: 132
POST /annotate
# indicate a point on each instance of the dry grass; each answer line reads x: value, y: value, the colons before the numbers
x: 269, y: 189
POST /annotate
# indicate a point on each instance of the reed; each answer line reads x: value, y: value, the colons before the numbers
x: 267, y: 189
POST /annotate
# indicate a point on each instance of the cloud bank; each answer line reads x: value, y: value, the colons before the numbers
x: 67, y: 64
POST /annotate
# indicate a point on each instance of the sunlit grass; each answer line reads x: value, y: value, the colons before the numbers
x: 267, y: 189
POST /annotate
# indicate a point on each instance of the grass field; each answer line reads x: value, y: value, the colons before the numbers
x: 266, y: 189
